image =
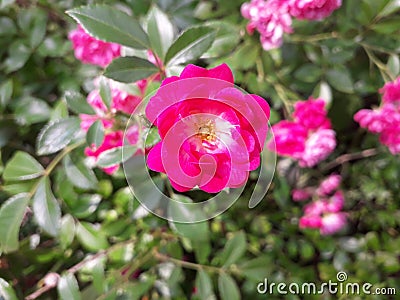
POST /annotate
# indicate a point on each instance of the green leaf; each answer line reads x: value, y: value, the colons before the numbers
x: 160, y: 30
x: 60, y: 111
x: 190, y: 45
x: 257, y: 268
x: 308, y: 73
x: 68, y: 288
x: 393, y: 65
x: 98, y: 277
x: 109, y: 24
x: 226, y: 40
x: 79, y: 174
x: 78, y: 104
x: 46, y: 209
x: 84, y: 206
x: 391, y: 7
x: 31, y: 110
x: 115, y: 156
x: 7, y: 26
x: 130, y: 69
x: 90, y: 237
x: 6, y: 89
x: 22, y: 166
x: 3, y: 4
x: 234, y: 249
x: 340, y: 79
x: 204, y: 286
x: 388, y: 26
x: 18, y: 187
x: 194, y: 231
x: 18, y: 55
x: 67, y: 231
x: 105, y: 93
x: 152, y: 138
x: 95, y: 134
x: 6, y: 291
x: 11, y: 215
x: 56, y: 135
x: 228, y: 289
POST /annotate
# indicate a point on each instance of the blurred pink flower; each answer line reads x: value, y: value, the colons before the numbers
x: 214, y: 132
x: 329, y: 185
x: 300, y: 194
x: 313, y: 9
x: 290, y: 138
x: 318, y: 146
x: 311, y: 114
x: 384, y: 120
x: 391, y: 91
x: 310, y: 221
x: 91, y: 50
x: 333, y: 222
x: 121, y: 102
x: 271, y: 18
x: 111, y: 140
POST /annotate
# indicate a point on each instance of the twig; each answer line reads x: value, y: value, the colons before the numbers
x: 349, y: 157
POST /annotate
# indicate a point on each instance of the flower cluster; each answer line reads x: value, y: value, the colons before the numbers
x: 91, y: 50
x: 309, y: 138
x: 384, y: 120
x: 324, y: 213
x: 122, y: 102
x: 273, y: 18
x: 211, y: 133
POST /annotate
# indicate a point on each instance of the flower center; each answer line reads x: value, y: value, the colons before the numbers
x: 206, y: 131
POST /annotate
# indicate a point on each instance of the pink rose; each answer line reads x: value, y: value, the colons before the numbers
x: 391, y: 91
x: 290, y: 138
x: 211, y: 133
x: 329, y: 185
x: 332, y: 223
x: 313, y: 9
x: 311, y: 114
x: 91, y: 50
x: 318, y: 147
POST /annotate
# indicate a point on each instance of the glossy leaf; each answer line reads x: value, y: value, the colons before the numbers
x: 56, y: 135
x: 6, y: 291
x: 130, y: 69
x: 79, y: 174
x: 190, y: 45
x: 228, y: 289
x: 95, y: 134
x: 234, y: 249
x: 115, y: 156
x: 90, y: 238
x: 67, y: 231
x: 109, y: 24
x: 160, y: 30
x: 11, y: 214
x: 340, y: 79
x: 204, y: 286
x: 6, y: 89
x: 46, y: 209
x: 78, y: 104
x: 22, y: 166
x: 31, y: 110
x: 68, y: 288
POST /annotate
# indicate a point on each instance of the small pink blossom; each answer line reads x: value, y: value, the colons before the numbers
x: 290, y: 138
x: 91, y: 50
x: 391, y: 91
x: 384, y: 120
x: 300, y: 194
x: 271, y: 19
x: 310, y: 221
x: 313, y: 9
x: 111, y: 140
x: 311, y: 114
x: 332, y: 223
x: 211, y: 133
x: 329, y: 185
x: 319, y: 145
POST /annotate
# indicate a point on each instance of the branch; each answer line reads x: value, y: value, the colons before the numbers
x: 349, y: 157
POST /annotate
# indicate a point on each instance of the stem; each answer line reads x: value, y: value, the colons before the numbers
x: 349, y: 157
x: 186, y: 264
x: 314, y: 38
